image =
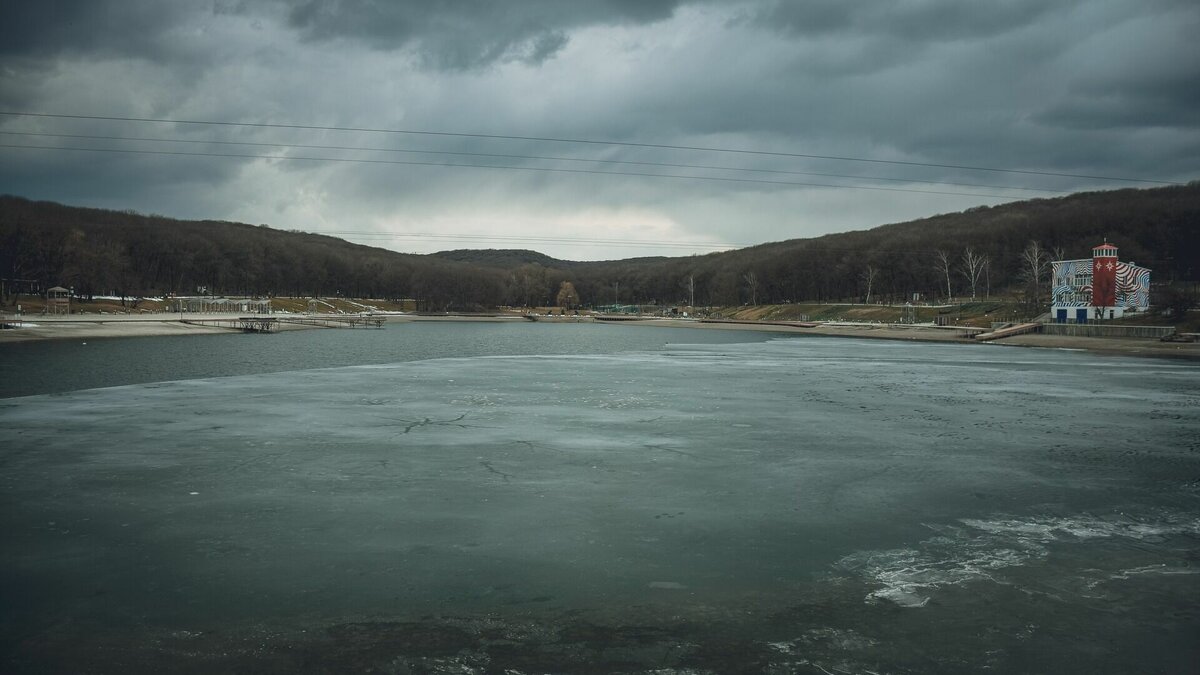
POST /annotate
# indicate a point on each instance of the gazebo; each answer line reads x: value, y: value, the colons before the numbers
x: 58, y: 300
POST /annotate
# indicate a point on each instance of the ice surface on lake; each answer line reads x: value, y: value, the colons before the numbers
x: 983, y: 550
x: 707, y: 475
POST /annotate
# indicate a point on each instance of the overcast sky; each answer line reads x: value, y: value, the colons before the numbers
x: 1103, y: 89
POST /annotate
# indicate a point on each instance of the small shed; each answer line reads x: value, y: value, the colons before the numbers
x: 58, y: 300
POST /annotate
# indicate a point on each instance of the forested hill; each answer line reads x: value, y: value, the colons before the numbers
x: 505, y: 257
x: 124, y: 253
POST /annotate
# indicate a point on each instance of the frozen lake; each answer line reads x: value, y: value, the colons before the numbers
x: 590, y: 499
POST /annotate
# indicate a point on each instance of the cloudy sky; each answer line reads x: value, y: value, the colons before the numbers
x: 591, y: 129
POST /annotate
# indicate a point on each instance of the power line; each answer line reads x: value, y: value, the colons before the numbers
x: 500, y: 166
x: 511, y: 156
x: 547, y: 139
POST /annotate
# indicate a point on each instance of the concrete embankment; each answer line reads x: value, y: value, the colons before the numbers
x: 1128, y: 346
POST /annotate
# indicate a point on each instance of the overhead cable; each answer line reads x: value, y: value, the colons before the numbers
x: 548, y: 139
x: 193, y: 141
x: 499, y: 166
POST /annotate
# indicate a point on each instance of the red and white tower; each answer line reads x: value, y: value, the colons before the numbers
x: 1104, y: 275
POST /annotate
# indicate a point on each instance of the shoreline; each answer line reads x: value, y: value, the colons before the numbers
x: 104, y: 326
x: 1147, y: 347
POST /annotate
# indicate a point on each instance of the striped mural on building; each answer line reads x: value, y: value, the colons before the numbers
x: 1097, y: 288
x: 1072, y: 282
x: 1133, y: 286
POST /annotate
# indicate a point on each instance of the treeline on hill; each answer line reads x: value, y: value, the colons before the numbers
x: 101, y: 252
x: 985, y: 249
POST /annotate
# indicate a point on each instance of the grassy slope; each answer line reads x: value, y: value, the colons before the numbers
x: 981, y: 313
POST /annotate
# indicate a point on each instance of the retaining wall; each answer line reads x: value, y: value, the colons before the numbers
x: 1101, y: 330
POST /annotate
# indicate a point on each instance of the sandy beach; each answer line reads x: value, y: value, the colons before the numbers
x: 92, y: 326
x: 85, y: 327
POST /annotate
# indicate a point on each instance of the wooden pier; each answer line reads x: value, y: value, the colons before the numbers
x: 336, y: 321
x: 254, y: 324
x: 263, y: 324
x: 246, y: 324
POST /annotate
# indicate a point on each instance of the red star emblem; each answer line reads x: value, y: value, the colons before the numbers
x: 1110, y: 265
x: 1099, y: 264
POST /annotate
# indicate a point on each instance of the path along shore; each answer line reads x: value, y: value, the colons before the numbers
x: 94, y: 326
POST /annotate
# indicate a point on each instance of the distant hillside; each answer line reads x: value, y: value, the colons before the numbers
x: 1158, y: 228
x: 101, y: 252
x: 108, y: 252
x: 503, y: 258
x: 508, y: 258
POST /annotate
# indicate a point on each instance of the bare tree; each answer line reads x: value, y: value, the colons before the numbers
x: 972, y: 267
x: 690, y: 285
x: 942, y: 264
x: 987, y: 276
x: 1034, y: 262
x: 751, y: 280
x: 869, y: 274
x: 529, y: 284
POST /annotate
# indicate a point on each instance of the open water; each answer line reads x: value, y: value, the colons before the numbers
x: 533, y: 498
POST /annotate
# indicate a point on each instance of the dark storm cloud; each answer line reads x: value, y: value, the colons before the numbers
x: 164, y: 184
x: 915, y: 20
x: 1148, y: 85
x: 445, y: 35
x: 95, y: 27
x: 1128, y: 108
x: 1096, y: 88
x: 1018, y: 83
x: 469, y: 33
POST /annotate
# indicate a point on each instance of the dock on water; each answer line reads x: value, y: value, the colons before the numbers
x: 263, y: 324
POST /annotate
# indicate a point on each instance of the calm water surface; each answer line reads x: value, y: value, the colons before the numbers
x: 67, y: 365
x: 587, y: 498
